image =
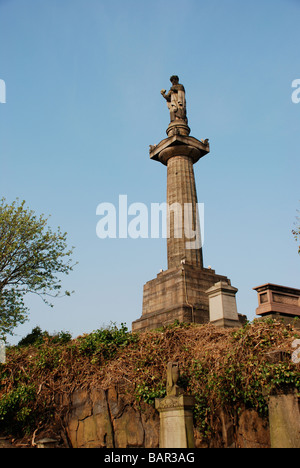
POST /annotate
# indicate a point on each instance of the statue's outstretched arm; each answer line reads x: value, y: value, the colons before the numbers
x: 166, y: 96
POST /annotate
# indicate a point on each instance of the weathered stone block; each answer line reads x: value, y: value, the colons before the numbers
x: 284, y: 418
x: 222, y: 305
x: 176, y: 421
x: 89, y: 423
x: 105, y: 419
x: 128, y: 429
x: 252, y: 431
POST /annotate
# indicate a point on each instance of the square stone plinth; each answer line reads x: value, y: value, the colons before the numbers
x: 222, y: 305
x: 177, y: 294
x: 176, y: 421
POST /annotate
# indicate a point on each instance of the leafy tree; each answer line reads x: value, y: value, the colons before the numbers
x: 37, y: 336
x: 31, y: 258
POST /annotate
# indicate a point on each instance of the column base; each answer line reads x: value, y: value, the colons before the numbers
x: 227, y: 323
x: 177, y: 294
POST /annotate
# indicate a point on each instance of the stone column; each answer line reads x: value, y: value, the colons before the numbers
x: 179, y: 293
x: 179, y: 153
x: 182, y: 196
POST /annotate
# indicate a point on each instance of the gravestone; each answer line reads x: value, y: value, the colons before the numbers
x: 176, y: 414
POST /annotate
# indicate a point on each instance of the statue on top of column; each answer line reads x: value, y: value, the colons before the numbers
x: 176, y: 100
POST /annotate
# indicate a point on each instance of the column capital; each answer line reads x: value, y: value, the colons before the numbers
x: 179, y: 145
x: 174, y: 403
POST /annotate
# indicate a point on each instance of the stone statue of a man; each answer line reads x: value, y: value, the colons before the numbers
x: 176, y: 100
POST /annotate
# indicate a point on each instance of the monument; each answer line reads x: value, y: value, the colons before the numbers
x: 279, y: 302
x: 180, y: 292
x: 175, y: 413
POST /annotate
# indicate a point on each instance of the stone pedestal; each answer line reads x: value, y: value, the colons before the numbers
x: 177, y: 294
x: 222, y: 305
x: 284, y: 409
x: 284, y: 419
x: 176, y: 421
x: 47, y: 443
x: 178, y: 127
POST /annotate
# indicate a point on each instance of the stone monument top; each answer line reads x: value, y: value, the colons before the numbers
x: 176, y: 103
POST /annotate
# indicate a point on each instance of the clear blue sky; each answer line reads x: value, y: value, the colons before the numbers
x: 83, y: 82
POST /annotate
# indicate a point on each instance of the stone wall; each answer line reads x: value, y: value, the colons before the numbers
x: 111, y: 419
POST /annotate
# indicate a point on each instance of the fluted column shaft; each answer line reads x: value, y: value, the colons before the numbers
x: 182, y: 213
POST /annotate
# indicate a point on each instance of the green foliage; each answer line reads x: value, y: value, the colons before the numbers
x: 242, y: 381
x: 202, y: 415
x: 240, y: 377
x: 221, y: 368
x: 48, y: 358
x: 32, y: 257
x: 44, y: 361
x: 15, y: 409
x: 148, y: 393
x: 37, y: 336
x: 241, y: 386
x: 104, y: 343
